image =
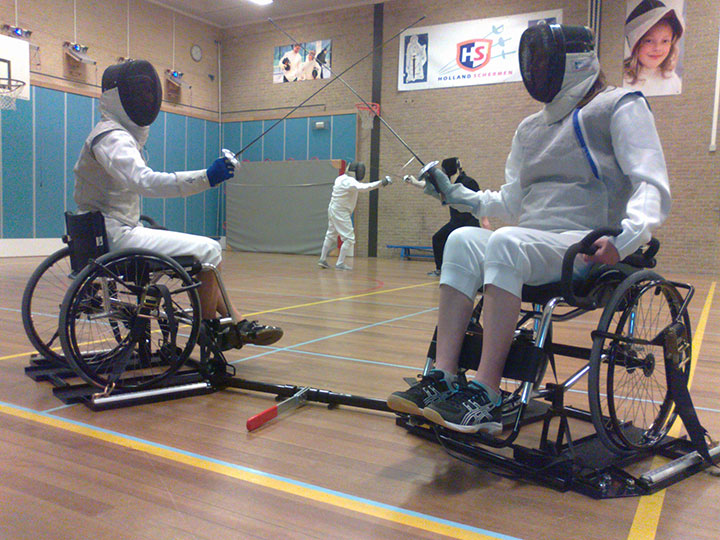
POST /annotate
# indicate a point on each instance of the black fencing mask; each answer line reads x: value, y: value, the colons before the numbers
x: 450, y: 165
x: 358, y: 167
x: 543, y: 49
x: 139, y: 87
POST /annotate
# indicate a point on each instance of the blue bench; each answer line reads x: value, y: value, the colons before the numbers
x: 406, y: 252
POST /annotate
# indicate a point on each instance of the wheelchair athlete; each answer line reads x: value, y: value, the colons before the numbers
x: 590, y: 158
x: 111, y: 175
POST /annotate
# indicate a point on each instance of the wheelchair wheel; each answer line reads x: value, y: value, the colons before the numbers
x: 130, y: 320
x: 630, y: 403
x: 41, y: 302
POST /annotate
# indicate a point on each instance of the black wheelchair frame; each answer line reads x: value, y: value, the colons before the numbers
x: 637, y: 371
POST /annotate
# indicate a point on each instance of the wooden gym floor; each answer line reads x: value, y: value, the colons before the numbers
x: 188, y: 469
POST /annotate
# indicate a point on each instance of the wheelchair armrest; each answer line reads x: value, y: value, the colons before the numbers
x: 586, y: 247
x: 151, y: 223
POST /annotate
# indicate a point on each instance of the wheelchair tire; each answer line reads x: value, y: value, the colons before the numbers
x: 42, y: 298
x: 118, y: 329
x: 630, y: 403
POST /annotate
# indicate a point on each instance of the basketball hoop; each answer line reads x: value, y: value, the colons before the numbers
x: 367, y: 113
x: 9, y: 91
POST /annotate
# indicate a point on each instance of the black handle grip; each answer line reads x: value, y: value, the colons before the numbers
x: 586, y: 247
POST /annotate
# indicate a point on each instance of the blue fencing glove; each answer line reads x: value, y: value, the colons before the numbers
x: 220, y: 170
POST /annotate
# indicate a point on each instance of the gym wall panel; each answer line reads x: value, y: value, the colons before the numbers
x: 49, y: 163
x: 155, y: 158
x: 195, y: 204
x: 18, y: 213
x: 214, y: 202
x: 175, y: 160
x: 250, y: 130
x: 343, y: 136
x: 296, y: 133
x: 273, y: 141
x: 319, y: 140
x: 80, y: 112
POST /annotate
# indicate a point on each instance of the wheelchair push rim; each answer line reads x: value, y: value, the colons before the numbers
x: 629, y: 397
x: 42, y: 298
x: 118, y: 331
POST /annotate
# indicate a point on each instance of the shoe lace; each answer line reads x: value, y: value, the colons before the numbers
x: 465, y: 392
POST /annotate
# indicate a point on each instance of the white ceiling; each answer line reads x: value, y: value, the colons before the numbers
x: 229, y: 13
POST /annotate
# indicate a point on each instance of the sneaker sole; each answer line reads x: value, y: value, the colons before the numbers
x: 265, y: 338
x: 491, y: 428
x: 398, y: 404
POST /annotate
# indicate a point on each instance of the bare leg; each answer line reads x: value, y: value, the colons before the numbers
x: 501, y: 310
x: 211, y: 300
x: 454, y: 314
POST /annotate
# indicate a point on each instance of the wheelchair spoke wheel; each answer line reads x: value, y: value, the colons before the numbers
x: 130, y: 320
x: 41, y: 302
x: 630, y: 403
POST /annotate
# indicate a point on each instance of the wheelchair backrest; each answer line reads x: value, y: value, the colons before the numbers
x: 86, y: 238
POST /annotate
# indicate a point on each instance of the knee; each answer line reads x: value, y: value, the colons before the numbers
x: 210, y: 252
x: 503, y: 246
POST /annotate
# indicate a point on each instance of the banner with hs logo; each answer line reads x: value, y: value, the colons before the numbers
x: 483, y: 51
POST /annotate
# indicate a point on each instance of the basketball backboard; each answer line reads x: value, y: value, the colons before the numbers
x: 15, y: 62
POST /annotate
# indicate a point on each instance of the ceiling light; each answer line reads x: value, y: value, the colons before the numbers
x: 262, y: 2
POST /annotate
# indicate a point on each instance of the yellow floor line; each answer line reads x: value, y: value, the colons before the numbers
x: 647, y: 514
x: 382, y: 291
x: 306, y: 491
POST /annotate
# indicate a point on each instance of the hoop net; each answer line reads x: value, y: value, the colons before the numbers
x: 367, y: 113
x: 9, y: 91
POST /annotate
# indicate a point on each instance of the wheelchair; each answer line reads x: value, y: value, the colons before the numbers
x: 120, y: 320
x: 637, y: 370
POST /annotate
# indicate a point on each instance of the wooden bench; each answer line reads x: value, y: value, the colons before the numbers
x: 406, y: 252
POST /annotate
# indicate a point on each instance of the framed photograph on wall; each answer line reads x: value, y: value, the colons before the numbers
x: 302, y: 61
x: 654, y: 46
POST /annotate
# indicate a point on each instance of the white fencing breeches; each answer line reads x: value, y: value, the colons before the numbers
x: 168, y: 243
x: 509, y: 258
x: 339, y: 224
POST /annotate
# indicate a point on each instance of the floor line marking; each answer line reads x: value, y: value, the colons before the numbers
x: 647, y: 514
x: 256, y: 477
x: 339, y: 299
x: 327, y: 301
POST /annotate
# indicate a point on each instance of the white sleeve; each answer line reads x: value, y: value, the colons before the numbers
x: 119, y: 156
x: 639, y: 153
x: 506, y: 202
x: 364, y: 186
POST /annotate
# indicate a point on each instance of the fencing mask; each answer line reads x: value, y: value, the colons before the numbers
x: 543, y: 55
x: 139, y: 87
x: 358, y: 168
x: 450, y: 165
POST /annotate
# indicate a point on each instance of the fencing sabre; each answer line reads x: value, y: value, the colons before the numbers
x: 233, y: 157
x: 339, y: 77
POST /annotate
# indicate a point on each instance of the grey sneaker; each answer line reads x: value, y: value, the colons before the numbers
x: 258, y: 334
x: 467, y: 410
x: 435, y: 272
x: 322, y: 263
x: 343, y: 266
x: 432, y: 387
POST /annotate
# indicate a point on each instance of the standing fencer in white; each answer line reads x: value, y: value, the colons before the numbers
x: 342, y: 205
x: 111, y: 175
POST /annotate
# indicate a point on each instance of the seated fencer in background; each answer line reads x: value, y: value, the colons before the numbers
x: 342, y: 205
x: 111, y: 175
x: 451, y: 167
x: 590, y: 158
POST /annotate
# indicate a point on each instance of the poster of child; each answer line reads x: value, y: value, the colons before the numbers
x: 654, y: 46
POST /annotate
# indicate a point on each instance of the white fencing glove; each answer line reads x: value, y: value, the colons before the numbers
x: 410, y: 179
x: 385, y: 181
x: 438, y: 185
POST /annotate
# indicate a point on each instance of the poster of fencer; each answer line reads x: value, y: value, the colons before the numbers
x: 654, y: 46
x: 302, y: 61
x: 465, y: 53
